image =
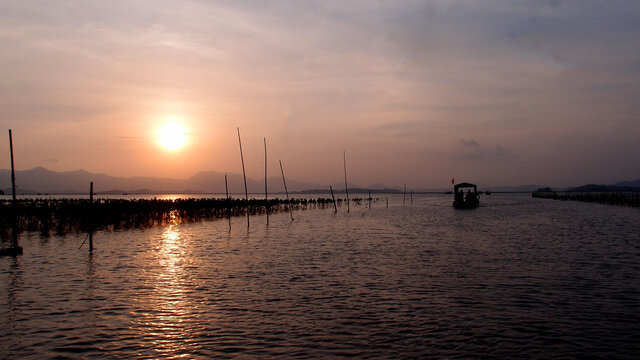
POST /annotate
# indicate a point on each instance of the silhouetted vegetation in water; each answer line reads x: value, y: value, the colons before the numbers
x: 67, y: 215
x: 622, y: 198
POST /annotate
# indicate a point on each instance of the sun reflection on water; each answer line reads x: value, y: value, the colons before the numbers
x: 172, y: 197
x: 167, y: 322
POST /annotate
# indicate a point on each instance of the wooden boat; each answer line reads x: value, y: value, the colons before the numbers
x: 468, y: 200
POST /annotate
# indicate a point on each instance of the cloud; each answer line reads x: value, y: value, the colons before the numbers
x: 471, y: 150
x: 470, y: 143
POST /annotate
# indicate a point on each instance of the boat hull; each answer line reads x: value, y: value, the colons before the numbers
x: 466, y: 204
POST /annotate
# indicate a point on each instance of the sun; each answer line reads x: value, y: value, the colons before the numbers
x: 172, y: 136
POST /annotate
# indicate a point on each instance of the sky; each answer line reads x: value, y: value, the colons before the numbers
x: 415, y: 92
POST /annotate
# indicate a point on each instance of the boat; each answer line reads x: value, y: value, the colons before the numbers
x: 462, y: 200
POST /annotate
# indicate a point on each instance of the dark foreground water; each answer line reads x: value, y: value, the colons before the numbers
x: 518, y: 277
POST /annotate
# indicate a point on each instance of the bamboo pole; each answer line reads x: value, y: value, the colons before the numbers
x: 244, y: 175
x: 226, y: 189
x: 285, y: 189
x: 13, y: 173
x: 335, y: 207
x: 346, y: 188
x: 91, y: 217
x: 266, y: 194
x: 16, y: 249
x: 404, y: 195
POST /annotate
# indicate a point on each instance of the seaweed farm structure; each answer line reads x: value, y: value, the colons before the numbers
x: 621, y: 198
x: 68, y: 215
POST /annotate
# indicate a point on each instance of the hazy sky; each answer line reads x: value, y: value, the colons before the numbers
x: 494, y: 92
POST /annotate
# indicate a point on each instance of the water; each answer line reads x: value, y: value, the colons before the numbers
x: 518, y: 277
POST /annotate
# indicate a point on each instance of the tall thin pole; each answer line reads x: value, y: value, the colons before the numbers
x: 266, y: 194
x: 91, y: 217
x: 285, y: 189
x: 226, y: 189
x: 335, y: 207
x: 369, y: 198
x: 13, y: 173
x: 346, y: 188
x: 244, y: 174
x: 411, y: 196
x: 404, y: 195
x: 16, y: 248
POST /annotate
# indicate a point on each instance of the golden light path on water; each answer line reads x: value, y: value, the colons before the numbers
x: 170, y: 305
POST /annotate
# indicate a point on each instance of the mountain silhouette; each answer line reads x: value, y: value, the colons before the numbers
x: 41, y: 180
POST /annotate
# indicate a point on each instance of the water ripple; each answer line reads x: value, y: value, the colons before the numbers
x: 518, y: 277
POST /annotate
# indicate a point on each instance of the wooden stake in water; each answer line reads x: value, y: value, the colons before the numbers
x: 369, y: 198
x: 226, y: 189
x: 16, y: 249
x: 285, y: 189
x: 91, y: 217
x: 244, y: 174
x: 346, y: 188
x: 335, y: 207
x: 387, y: 200
x: 411, y: 196
x: 13, y: 173
x: 266, y: 194
x: 404, y: 195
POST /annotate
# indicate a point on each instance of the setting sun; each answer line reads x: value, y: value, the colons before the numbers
x: 172, y: 136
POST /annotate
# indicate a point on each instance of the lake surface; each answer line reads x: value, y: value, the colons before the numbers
x: 517, y: 277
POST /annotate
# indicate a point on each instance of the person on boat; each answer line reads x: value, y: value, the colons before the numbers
x: 468, y: 197
x: 459, y: 196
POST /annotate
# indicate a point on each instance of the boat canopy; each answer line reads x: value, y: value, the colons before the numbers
x: 465, y: 185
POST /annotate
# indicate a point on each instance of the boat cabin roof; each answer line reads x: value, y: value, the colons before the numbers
x: 465, y: 185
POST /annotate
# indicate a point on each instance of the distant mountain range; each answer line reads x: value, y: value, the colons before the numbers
x: 41, y: 180
x: 619, y: 186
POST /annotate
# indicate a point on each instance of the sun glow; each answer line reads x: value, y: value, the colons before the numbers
x: 172, y: 136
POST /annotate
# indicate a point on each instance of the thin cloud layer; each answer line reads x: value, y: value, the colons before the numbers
x: 470, y: 150
x: 395, y: 83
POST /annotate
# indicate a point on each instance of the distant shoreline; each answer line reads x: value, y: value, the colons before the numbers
x: 310, y: 192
